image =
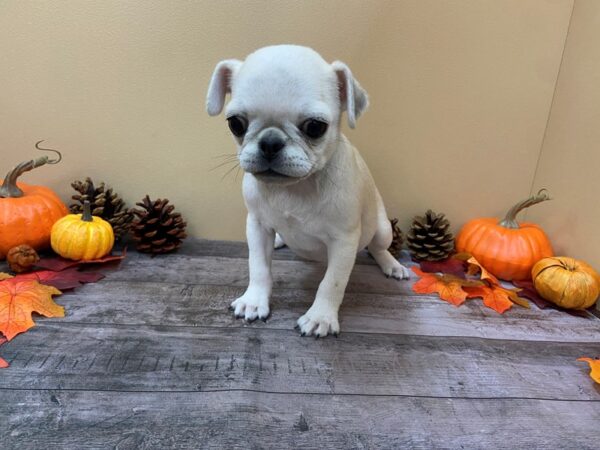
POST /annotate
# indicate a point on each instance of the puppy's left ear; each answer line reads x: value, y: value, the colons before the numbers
x: 353, y: 98
x: 220, y: 85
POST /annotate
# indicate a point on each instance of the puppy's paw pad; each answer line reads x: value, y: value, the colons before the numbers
x: 250, y: 308
x: 318, y: 324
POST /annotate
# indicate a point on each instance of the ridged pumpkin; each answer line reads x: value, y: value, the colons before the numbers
x: 82, y: 236
x: 28, y: 212
x: 506, y: 248
x: 566, y: 282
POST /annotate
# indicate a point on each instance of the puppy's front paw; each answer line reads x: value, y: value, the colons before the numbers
x: 251, y: 307
x: 319, y: 321
x: 396, y: 270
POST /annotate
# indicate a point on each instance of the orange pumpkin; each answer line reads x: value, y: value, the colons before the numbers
x: 506, y: 248
x: 27, y: 212
x: 566, y: 282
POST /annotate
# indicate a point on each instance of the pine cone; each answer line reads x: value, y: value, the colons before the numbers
x: 429, y: 238
x: 397, y: 240
x: 104, y: 203
x: 156, y: 228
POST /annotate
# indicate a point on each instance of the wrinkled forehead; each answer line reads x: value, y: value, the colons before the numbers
x: 285, y: 87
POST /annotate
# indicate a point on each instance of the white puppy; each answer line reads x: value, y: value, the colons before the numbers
x: 303, y: 180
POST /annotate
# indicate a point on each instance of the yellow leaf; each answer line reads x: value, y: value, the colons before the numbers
x: 5, y: 276
x: 513, y: 294
x: 595, y: 366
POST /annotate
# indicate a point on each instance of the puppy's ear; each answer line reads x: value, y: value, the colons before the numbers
x: 353, y: 98
x: 220, y: 85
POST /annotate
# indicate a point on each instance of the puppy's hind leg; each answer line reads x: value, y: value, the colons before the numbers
x: 378, y: 247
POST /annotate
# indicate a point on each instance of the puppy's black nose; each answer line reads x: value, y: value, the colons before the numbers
x: 270, y: 144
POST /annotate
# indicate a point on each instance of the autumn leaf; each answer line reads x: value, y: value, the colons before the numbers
x: 456, y: 288
x: 594, y: 366
x: 4, y: 276
x: 494, y: 297
x: 63, y: 280
x: 450, y: 266
x: 3, y: 363
x: 57, y: 264
x: 474, y: 267
x: 449, y: 287
x: 514, y: 296
x: 528, y: 291
x: 19, y: 299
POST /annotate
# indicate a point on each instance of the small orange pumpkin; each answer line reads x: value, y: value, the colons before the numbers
x: 27, y: 212
x: 506, y: 248
x: 566, y: 282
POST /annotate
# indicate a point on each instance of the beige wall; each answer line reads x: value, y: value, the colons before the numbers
x: 570, y: 160
x: 461, y: 94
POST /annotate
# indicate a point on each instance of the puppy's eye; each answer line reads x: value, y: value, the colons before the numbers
x: 237, y: 125
x: 314, y: 128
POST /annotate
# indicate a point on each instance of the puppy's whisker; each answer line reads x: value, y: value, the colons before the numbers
x: 223, y: 164
x: 228, y: 155
x: 229, y: 171
x: 232, y: 158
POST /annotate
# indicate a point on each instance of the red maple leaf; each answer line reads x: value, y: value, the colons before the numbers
x: 57, y: 264
x: 450, y: 266
x: 528, y: 291
x: 63, y: 280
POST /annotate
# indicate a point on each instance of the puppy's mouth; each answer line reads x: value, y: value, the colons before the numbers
x: 270, y: 173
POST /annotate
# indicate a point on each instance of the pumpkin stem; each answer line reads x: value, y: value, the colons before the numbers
x: 510, y: 220
x: 87, y: 212
x: 9, y: 188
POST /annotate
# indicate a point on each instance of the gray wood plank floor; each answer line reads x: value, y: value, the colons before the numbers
x: 151, y: 358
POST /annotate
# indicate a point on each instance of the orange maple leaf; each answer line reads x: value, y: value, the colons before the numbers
x: 594, y: 366
x: 494, y: 297
x: 449, y: 287
x: 19, y: 299
x: 3, y: 363
x: 474, y: 267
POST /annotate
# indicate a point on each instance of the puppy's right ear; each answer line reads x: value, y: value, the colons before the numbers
x: 220, y: 85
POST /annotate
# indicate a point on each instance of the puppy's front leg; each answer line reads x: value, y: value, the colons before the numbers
x: 254, y: 304
x: 322, y: 317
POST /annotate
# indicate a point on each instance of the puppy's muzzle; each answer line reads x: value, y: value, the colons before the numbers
x: 270, y: 145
